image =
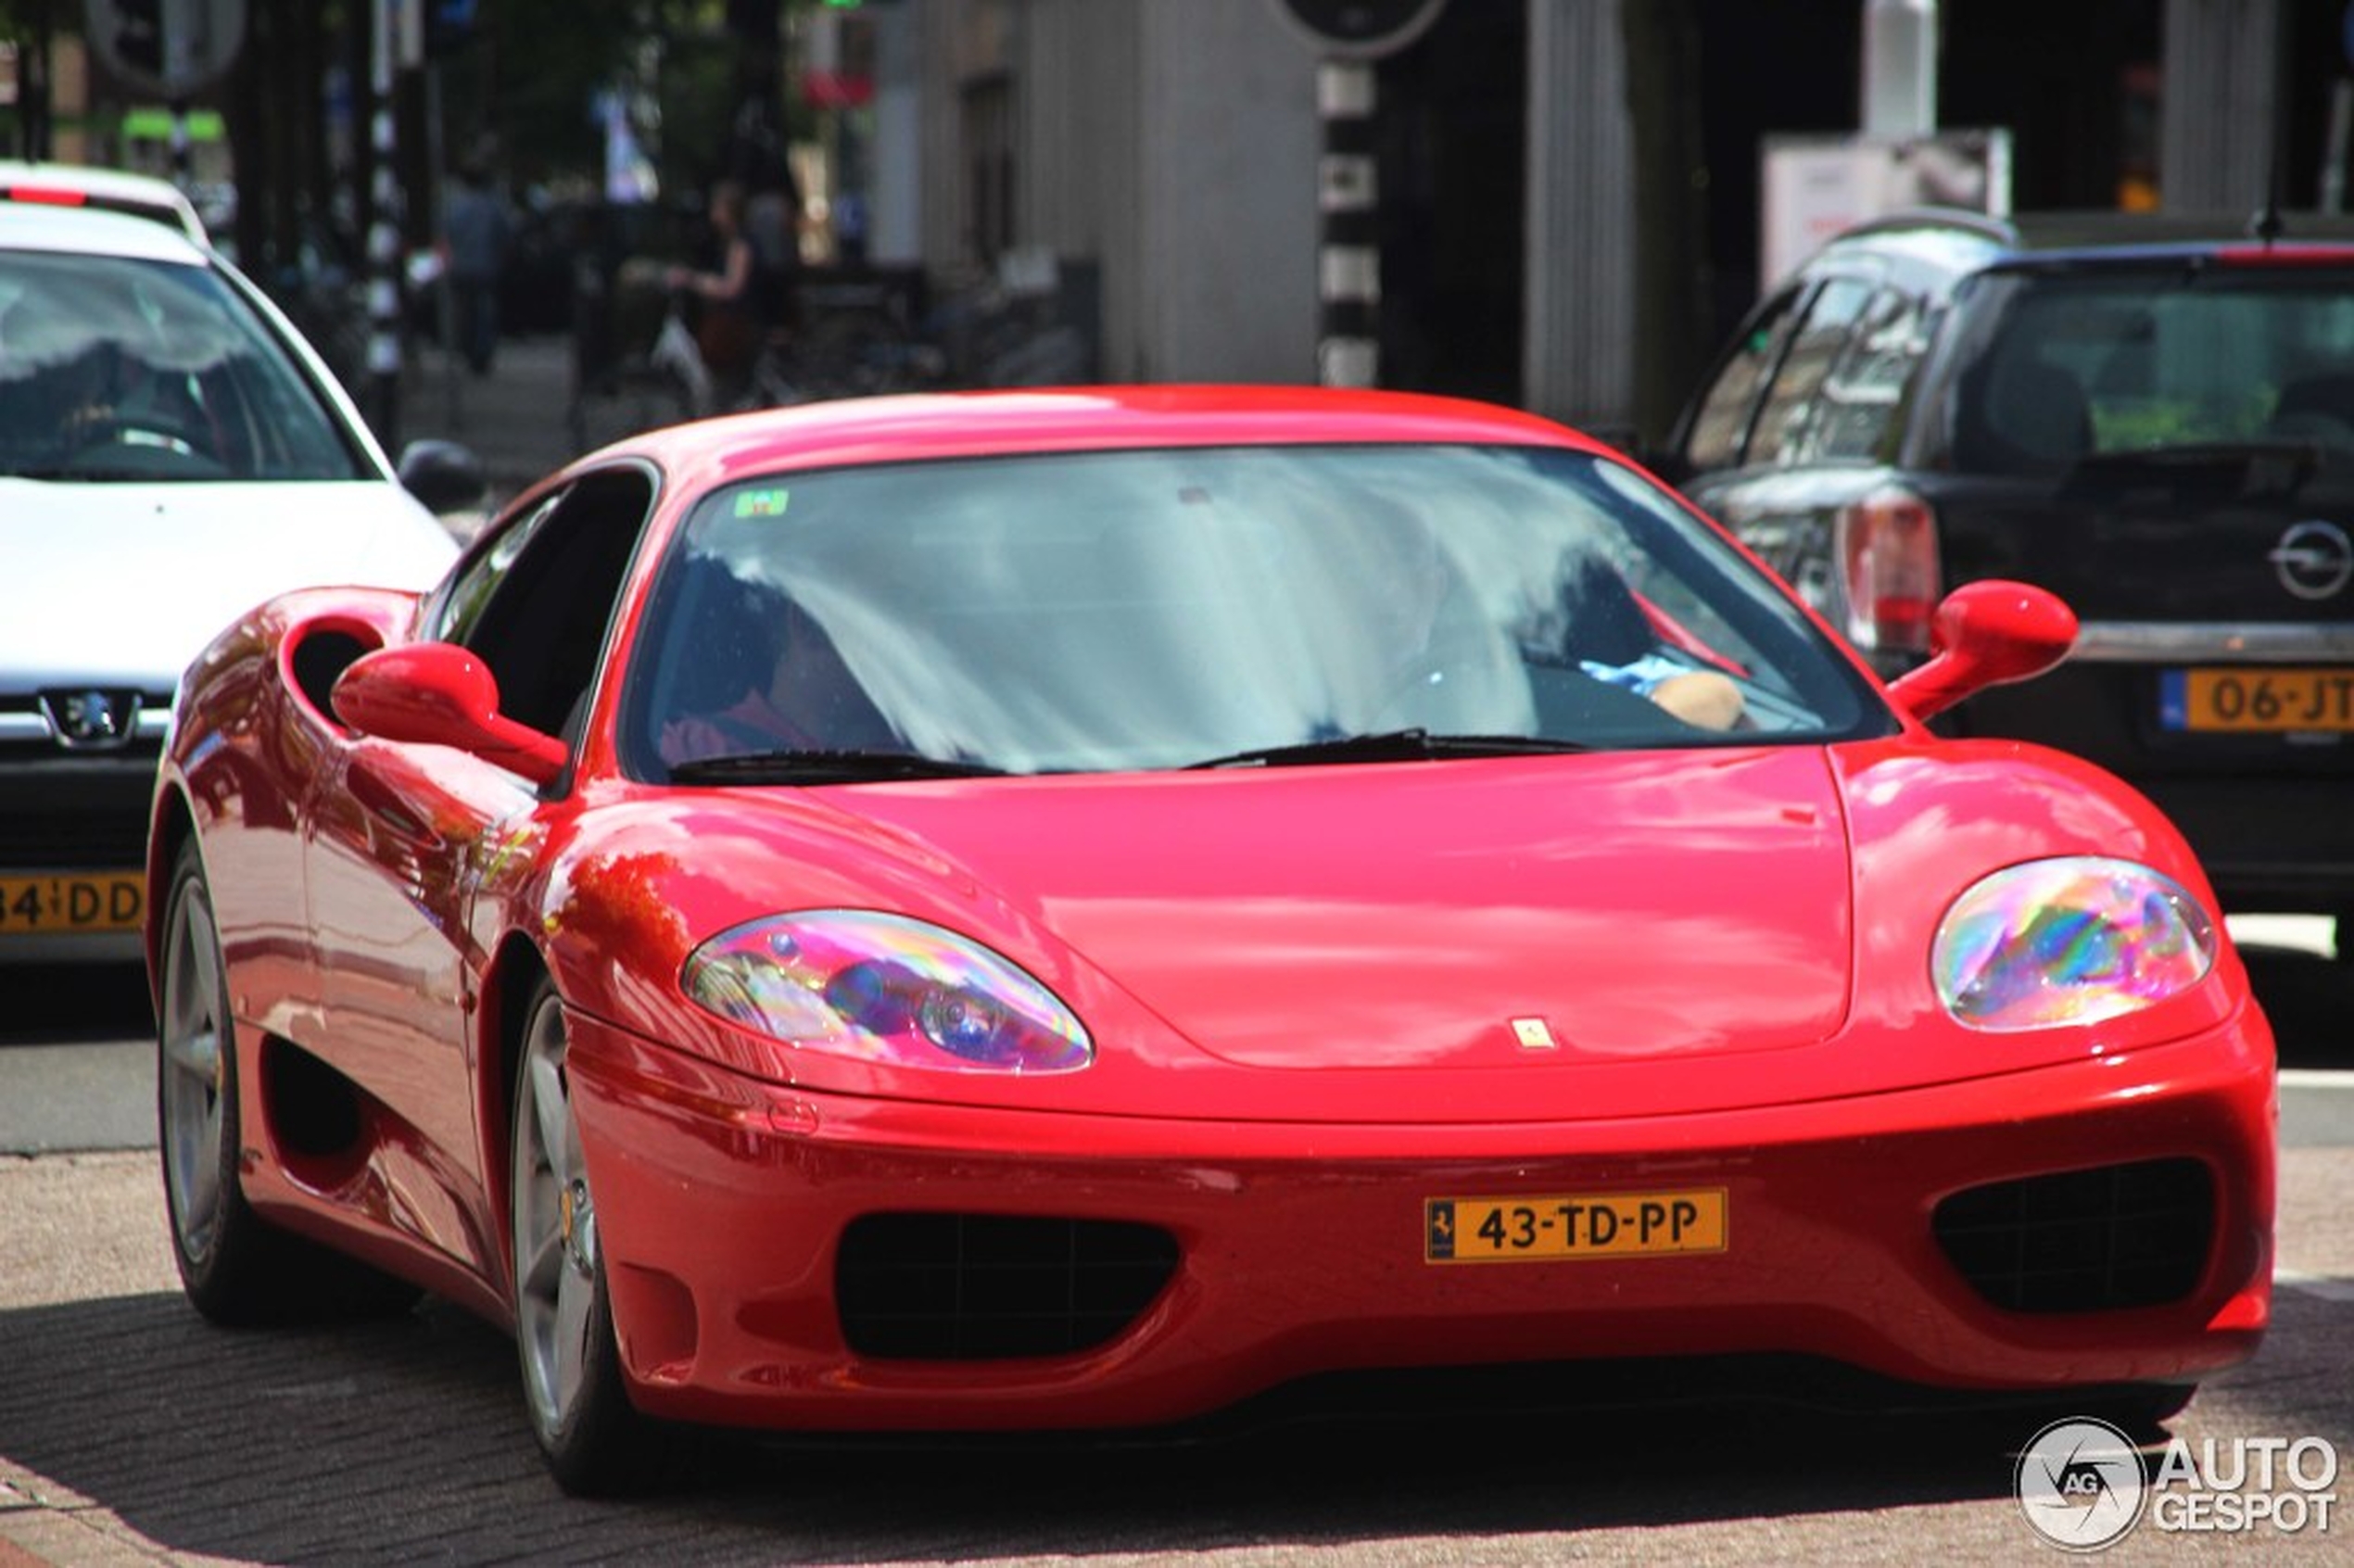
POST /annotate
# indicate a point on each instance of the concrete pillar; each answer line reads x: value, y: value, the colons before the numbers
x: 1578, y: 360
x: 1900, y: 68
x: 2222, y: 105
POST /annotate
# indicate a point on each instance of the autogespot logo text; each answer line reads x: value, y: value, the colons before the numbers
x: 2083, y: 1485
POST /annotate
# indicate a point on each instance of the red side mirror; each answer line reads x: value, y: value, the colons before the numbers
x: 1987, y: 634
x: 437, y: 694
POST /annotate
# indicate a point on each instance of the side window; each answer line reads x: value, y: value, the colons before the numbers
x: 462, y: 605
x: 535, y: 604
x: 1720, y: 428
x: 1860, y: 397
x: 1788, y: 407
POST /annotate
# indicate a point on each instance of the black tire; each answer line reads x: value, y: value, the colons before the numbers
x: 236, y: 1268
x: 595, y: 1441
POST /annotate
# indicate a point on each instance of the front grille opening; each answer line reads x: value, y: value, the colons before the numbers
x: 2086, y: 1241
x: 970, y: 1287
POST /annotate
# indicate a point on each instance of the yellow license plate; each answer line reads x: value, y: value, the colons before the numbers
x: 2258, y: 698
x: 67, y: 901
x: 1530, y: 1229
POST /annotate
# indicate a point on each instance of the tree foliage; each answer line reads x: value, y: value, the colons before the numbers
x: 529, y: 81
x: 519, y: 89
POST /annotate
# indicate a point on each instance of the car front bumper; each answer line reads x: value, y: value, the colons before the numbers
x: 723, y: 1204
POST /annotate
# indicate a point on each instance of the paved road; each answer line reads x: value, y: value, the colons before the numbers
x: 133, y: 1434
x: 513, y: 419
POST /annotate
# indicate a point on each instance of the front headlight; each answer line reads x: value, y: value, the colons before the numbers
x: 2072, y: 941
x: 885, y: 989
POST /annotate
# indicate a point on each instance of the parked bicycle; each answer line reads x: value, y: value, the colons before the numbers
x: 856, y: 338
x: 635, y: 361
x: 638, y: 364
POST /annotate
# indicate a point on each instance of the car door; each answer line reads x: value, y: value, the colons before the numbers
x: 400, y: 836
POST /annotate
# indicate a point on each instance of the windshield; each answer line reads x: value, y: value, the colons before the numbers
x: 114, y: 369
x: 1239, y: 606
x: 2068, y: 365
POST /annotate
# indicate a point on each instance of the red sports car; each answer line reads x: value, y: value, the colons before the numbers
x: 1068, y: 910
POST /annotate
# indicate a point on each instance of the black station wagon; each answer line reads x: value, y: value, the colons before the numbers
x: 2152, y: 418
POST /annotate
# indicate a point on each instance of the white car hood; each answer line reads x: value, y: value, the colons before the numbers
x: 123, y: 585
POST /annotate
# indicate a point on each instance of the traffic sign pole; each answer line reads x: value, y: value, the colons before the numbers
x: 1348, y: 36
x: 384, y: 229
x: 1348, y: 259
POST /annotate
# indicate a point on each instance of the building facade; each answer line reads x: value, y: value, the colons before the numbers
x: 1567, y: 189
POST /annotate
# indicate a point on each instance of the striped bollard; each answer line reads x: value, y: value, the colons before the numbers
x: 1348, y: 259
x: 384, y: 234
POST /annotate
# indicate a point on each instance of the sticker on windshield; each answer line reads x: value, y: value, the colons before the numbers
x: 762, y: 504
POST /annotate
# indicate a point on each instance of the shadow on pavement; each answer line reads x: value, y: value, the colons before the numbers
x: 62, y: 1004
x: 403, y: 1441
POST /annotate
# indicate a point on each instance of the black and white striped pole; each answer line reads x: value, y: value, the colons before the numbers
x: 383, y: 226
x: 1348, y: 248
x: 1348, y: 36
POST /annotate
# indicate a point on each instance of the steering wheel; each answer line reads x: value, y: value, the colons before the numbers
x: 162, y: 426
x: 160, y: 429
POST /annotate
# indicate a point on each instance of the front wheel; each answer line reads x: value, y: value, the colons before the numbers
x: 236, y: 1266
x: 594, y: 1440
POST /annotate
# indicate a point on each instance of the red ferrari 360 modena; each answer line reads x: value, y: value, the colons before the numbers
x: 1068, y: 910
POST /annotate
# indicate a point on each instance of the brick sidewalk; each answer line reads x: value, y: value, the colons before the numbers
x: 512, y: 419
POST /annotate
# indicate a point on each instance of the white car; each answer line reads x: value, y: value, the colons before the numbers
x: 172, y: 453
x: 103, y: 190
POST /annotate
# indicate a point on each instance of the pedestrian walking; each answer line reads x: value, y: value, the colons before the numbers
x: 476, y: 232
x: 731, y: 324
x: 757, y: 160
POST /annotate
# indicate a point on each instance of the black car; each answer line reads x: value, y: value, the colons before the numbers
x: 2154, y: 419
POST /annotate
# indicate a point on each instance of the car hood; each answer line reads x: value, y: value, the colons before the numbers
x: 1478, y: 914
x: 124, y: 584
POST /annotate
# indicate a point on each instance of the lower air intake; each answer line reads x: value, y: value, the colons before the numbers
x: 2087, y: 1241
x: 967, y: 1287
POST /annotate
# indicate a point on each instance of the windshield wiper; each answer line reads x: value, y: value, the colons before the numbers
x: 823, y: 767
x: 1395, y: 745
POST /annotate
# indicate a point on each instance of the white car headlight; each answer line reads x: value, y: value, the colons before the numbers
x: 2071, y: 941
x: 885, y: 989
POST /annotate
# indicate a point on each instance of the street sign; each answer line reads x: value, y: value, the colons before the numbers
x: 1360, y: 30
x: 168, y: 48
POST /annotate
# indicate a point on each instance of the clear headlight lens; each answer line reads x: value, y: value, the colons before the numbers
x: 2072, y: 941
x: 885, y: 989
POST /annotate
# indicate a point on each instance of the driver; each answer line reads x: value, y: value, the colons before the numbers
x: 108, y: 393
x: 1704, y: 699
x: 805, y: 700
x: 85, y: 398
